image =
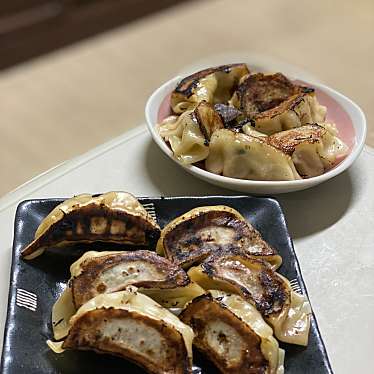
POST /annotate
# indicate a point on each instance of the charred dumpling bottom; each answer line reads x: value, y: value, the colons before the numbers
x: 214, y: 85
x: 100, y: 273
x: 274, y: 103
x: 202, y: 231
x: 147, y: 342
x: 257, y: 283
x: 253, y: 279
x: 114, y: 271
x: 91, y: 224
x: 131, y: 325
x: 228, y: 342
x: 193, y: 239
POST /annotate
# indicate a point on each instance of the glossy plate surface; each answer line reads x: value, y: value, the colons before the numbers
x: 35, y: 285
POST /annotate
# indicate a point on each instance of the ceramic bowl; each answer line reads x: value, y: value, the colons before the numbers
x: 348, y: 117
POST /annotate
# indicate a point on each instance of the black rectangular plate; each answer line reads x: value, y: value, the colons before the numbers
x: 26, y: 331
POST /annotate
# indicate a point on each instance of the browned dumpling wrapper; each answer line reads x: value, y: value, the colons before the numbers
x: 208, y: 119
x: 133, y: 326
x: 214, y: 85
x: 113, y: 217
x: 253, y: 279
x: 233, y: 335
x: 190, y: 238
x: 274, y: 103
x: 97, y: 273
x: 313, y: 148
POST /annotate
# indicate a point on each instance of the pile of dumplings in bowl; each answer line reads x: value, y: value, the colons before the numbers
x: 250, y: 126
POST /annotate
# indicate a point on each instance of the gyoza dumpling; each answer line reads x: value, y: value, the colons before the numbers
x: 233, y: 335
x: 213, y: 85
x: 184, y: 137
x: 189, y: 134
x: 208, y: 119
x: 97, y: 273
x: 286, y: 311
x: 238, y: 155
x: 313, y: 148
x: 274, y: 103
x: 249, y: 129
x: 133, y: 326
x: 193, y: 236
x: 114, y: 217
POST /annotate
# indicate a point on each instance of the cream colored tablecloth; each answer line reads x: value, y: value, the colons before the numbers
x: 63, y: 104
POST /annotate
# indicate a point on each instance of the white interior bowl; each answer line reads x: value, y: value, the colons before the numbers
x: 357, y: 140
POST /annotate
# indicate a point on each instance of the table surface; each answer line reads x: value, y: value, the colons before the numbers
x: 331, y: 225
x: 68, y: 102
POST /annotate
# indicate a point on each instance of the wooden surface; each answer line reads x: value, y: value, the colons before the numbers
x: 63, y: 104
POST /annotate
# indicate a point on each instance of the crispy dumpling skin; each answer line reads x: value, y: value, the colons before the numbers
x: 131, y: 325
x: 233, y: 335
x: 214, y: 85
x: 274, y: 103
x: 253, y: 279
x: 113, y: 217
x: 97, y: 273
x: 193, y: 236
x: 107, y: 272
x: 208, y: 119
x: 313, y: 148
x: 238, y: 155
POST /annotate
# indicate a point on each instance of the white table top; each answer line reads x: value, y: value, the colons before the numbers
x: 331, y: 226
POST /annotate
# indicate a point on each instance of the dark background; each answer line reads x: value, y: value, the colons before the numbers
x: 29, y: 28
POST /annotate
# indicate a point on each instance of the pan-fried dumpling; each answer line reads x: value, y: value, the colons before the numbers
x: 249, y: 129
x: 208, y: 119
x: 96, y: 273
x: 184, y: 137
x: 188, y: 135
x: 286, y: 311
x: 274, y: 103
x: 133, y: 326
x: 114, y: 217
x: 313, y: 148
x: 238, y: 155
x: 233, y: 335
x: 192, y: 237
x: 214, y: 85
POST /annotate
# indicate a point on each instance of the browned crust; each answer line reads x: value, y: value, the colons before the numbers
x: 266, y: 96
x: 205, y: 309
x: 183, y: 246
x: 288, y: 140
x: 139, y: 231
x: 85, y: 287
x: 186, y: 85
x: 208, y: 119
x: 86, y: 334
x: 275, y: 292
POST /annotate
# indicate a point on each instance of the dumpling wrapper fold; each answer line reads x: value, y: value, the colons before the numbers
x: 233, y: 334
x: 254, y: 280
x: 97, y: 273
x: 133, y: 326
x: 113, y: 217
x: 202, y: 231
